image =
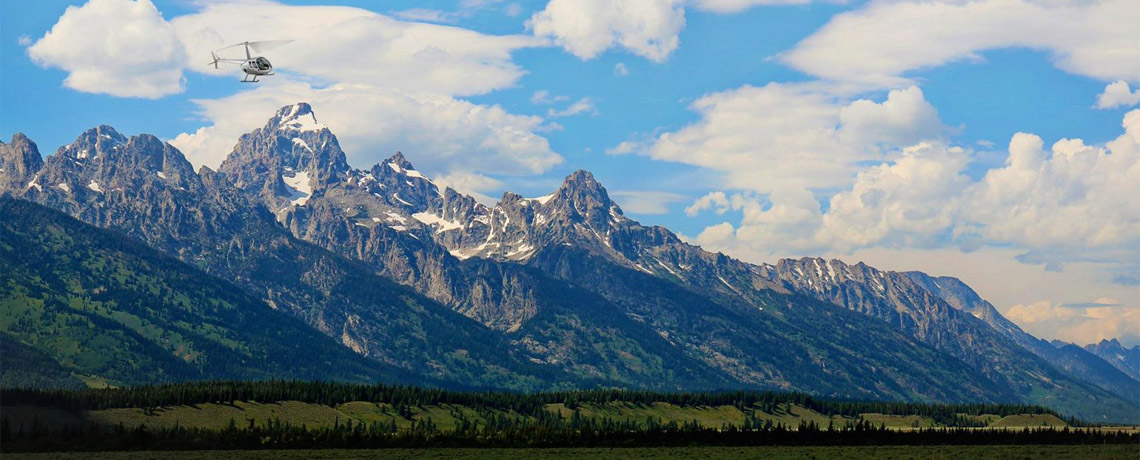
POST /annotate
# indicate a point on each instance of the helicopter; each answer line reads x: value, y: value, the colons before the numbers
x: 253, y: 66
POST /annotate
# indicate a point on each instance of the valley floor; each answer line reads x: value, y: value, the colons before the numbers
x: 1079, y: 452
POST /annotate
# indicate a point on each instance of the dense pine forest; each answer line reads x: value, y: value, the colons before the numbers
x: 506, y: 420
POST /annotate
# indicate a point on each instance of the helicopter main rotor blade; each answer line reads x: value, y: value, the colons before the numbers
x: 267, y: 45
x: 231, y: 46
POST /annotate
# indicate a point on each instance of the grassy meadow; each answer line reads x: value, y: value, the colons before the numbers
x: 447, y: 416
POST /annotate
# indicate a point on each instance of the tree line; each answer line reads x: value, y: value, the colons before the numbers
x: 549, y: 430
x: 530, y: 404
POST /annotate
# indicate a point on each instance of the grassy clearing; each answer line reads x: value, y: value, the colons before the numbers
x: 1110, y: 452
x: 706, y: 416
x: 1028, y: 420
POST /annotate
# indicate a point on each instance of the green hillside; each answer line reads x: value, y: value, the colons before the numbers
x: 76, y: 299
x: 25, y: 367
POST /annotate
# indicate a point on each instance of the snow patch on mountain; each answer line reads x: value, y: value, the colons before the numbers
x: 302, y: 143
x: 300, y: 190
x: 392, y: 216
x: 436, y: 222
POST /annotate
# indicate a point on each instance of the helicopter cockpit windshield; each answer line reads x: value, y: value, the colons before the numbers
x: 262, y: 63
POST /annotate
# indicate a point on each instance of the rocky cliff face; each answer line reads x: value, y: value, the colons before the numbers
x: 287, y: 161
x: 20, y: 160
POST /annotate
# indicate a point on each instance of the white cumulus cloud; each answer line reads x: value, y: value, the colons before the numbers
x: 783, y: 136
x: 1117, y: 94
x: 586, y: 28
x: 353, y: 45
x: 899, y: 204
x: 647, y: 28
x: 126, y: 48
x: 878, y: 44
x: 1072, y: 203
x: 118, y: 47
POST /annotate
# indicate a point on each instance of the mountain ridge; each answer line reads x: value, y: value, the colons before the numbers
x: 553, y: 274
x: 580, y: 213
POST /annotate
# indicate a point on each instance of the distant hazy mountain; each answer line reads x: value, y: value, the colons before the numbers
x: 1125, y: 359
x: 556, y: 291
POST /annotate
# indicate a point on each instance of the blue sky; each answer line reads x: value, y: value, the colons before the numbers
x: 909, y: 135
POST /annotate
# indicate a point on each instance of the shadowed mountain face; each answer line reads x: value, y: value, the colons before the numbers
x: 96, y: 303
x: 535, y: 291
x: 1083, y: 364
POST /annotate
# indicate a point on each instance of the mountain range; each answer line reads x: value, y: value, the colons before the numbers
x: 416, y: 283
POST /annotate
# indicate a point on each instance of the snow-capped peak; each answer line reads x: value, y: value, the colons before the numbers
x: 401, y: 165
x: 298, y: 117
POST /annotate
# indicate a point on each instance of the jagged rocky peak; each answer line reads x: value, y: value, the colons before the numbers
x: 293, y: 138
x: 288, y: 159
x: 401, y: 169
x: 816, y: 268
x: 102, y: 161
x: 20, y: 160
x: 143, y: 155
x: 296, y: 117
x: 399, y: 163
x: 580, y: 187
x: 94, y: 142
x: 397, y: 182
x: 581, y: 198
